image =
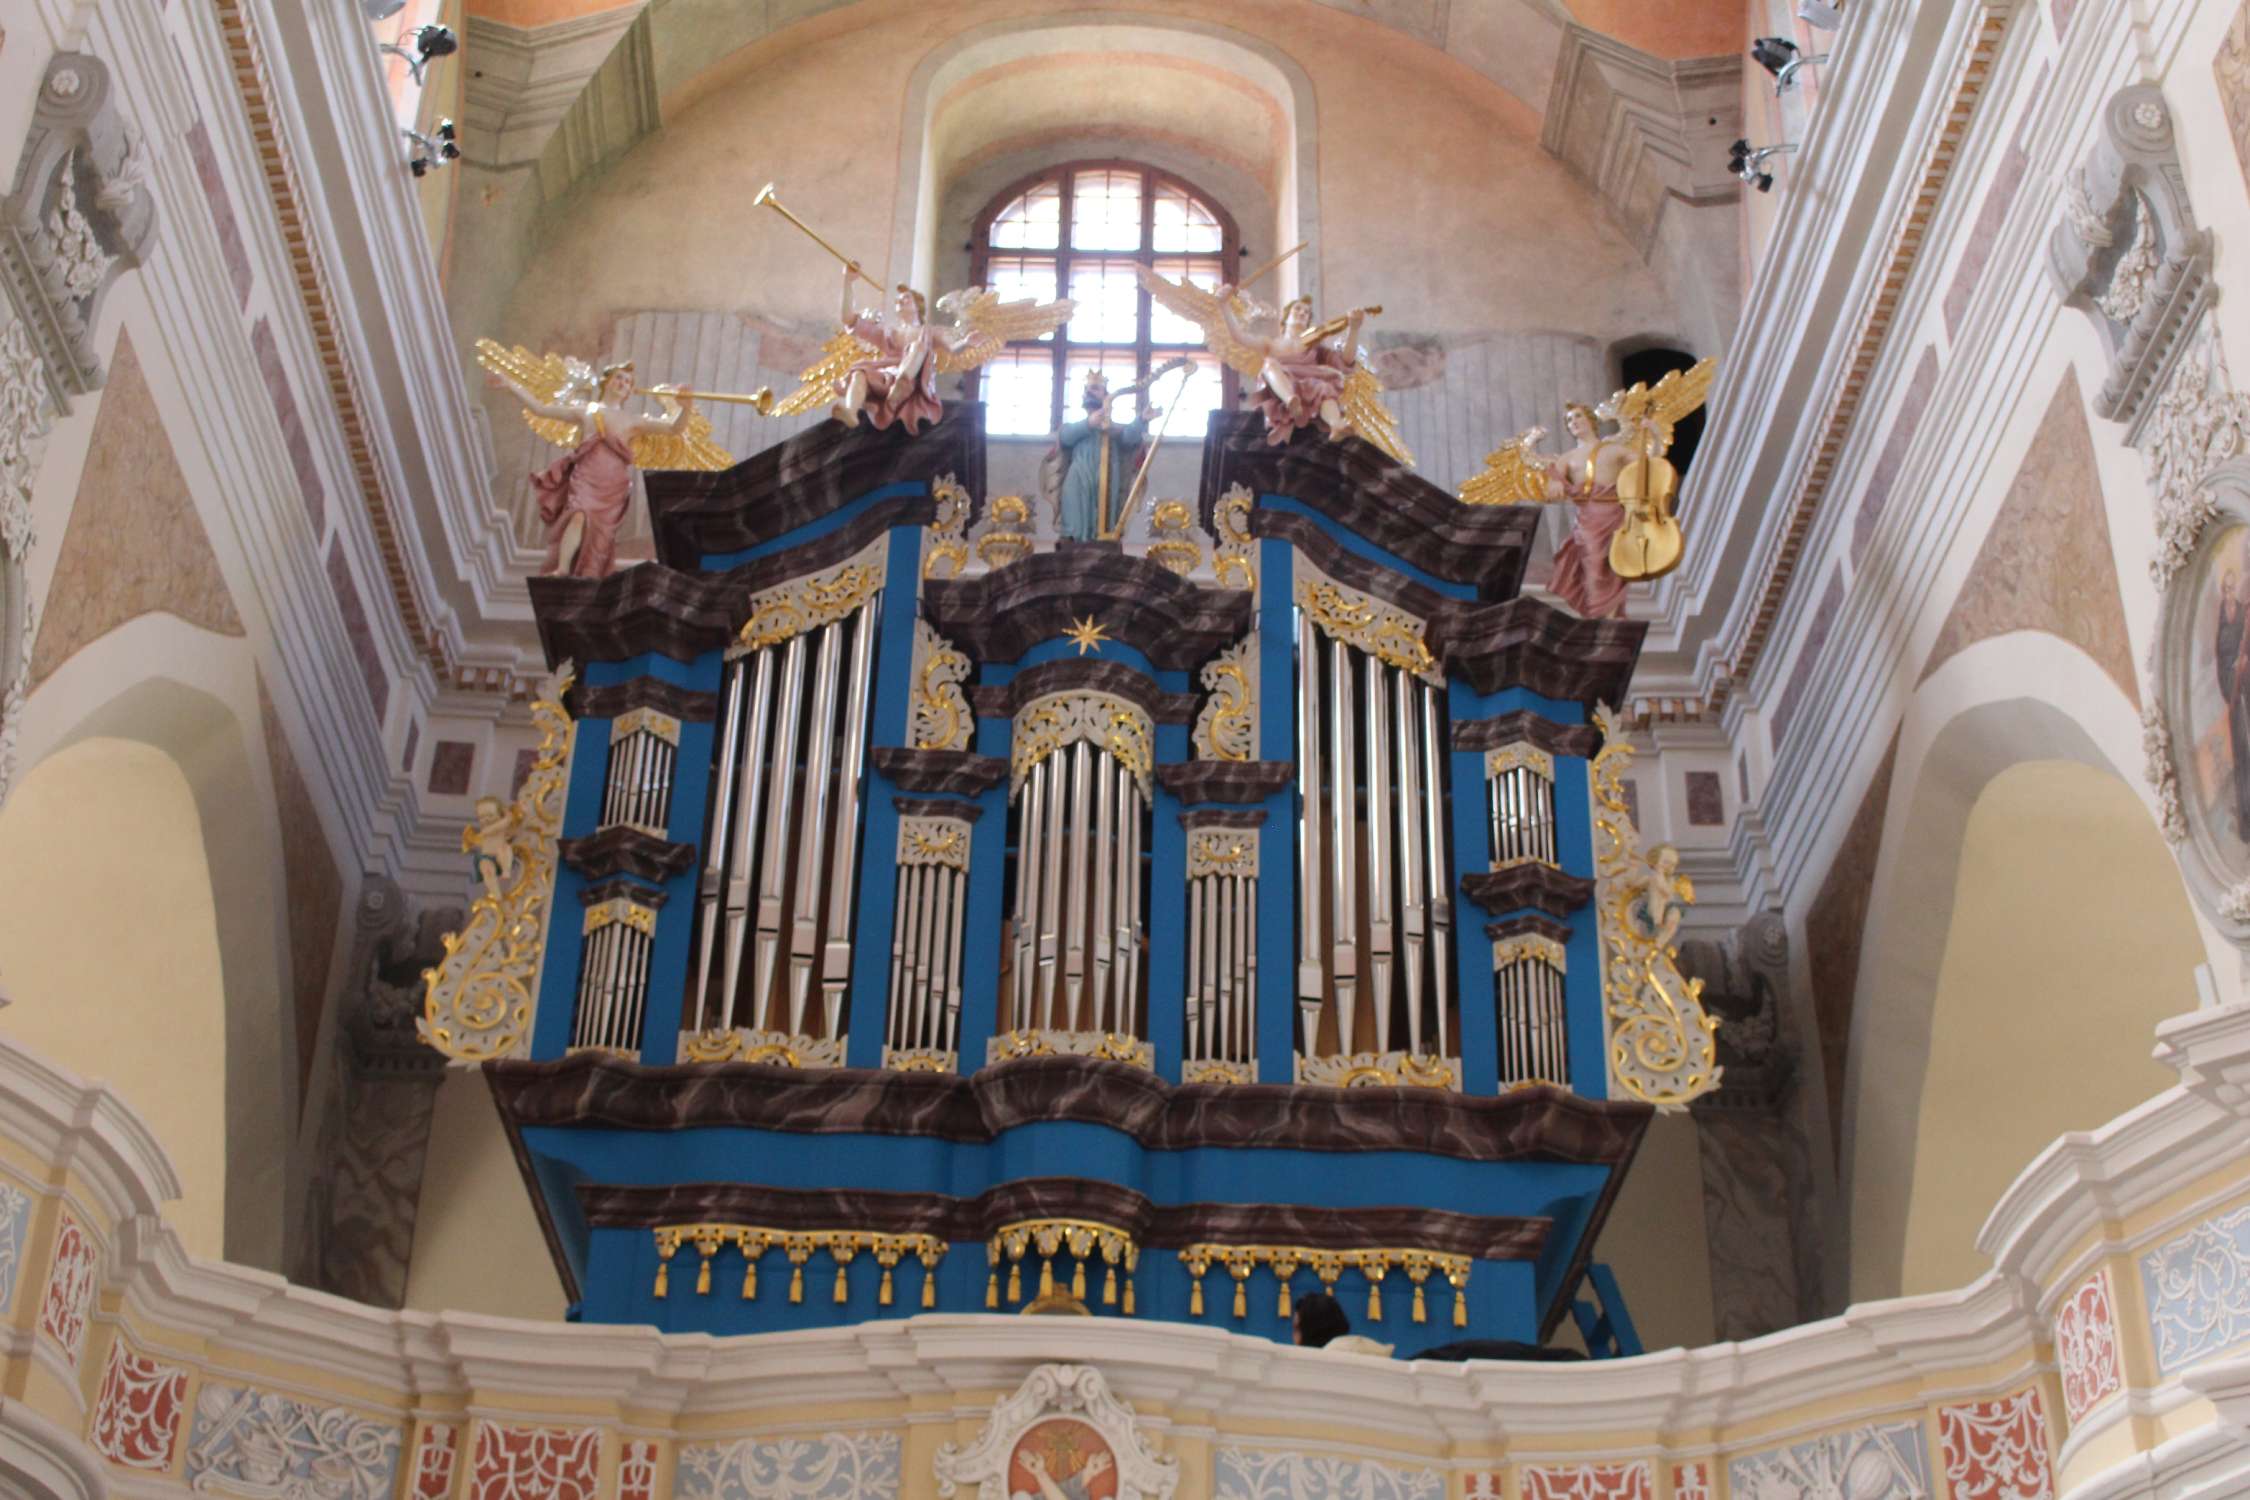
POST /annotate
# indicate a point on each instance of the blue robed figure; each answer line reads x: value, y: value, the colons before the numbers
x: 1099, y: 458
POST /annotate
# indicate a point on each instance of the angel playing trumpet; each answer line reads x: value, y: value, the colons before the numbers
x: 886, y: 363
x: 585, y: 494
x: 1620, y: 483
x: 1306, y: 372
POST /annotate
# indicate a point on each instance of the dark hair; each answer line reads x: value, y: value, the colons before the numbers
x: 1320, y: 1318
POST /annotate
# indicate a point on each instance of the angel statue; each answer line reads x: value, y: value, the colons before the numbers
x: 584, y: 495
x: 1620, y: 483
x: 886, y: 364
x: 1305, y: 372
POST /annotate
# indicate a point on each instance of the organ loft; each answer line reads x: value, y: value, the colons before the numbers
x: 907, y: 911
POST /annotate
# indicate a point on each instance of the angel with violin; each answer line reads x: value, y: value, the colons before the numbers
x: 1306, y: 372
x: 584, y: 495
x: 885, y: 364
x: 1620, y: 484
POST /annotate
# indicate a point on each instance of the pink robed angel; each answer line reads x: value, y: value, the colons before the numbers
x: 1586, y: 476
x: 898, y: 384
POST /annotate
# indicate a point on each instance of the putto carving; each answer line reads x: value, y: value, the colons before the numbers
x: 1226, y: 728
x: 942, y: 720
x: 1056, y: 1437
x: 478, y: 1001
x: 1660, y: 1041
x: 79, y: 215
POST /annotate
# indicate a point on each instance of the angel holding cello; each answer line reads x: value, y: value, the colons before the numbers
x: 1306, y: 372
x: 1620, y: 484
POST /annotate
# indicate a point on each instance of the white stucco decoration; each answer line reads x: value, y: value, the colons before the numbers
x: 1074, y: 1404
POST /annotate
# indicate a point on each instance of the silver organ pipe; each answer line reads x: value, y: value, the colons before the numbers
x: 1081, y: 862
x: 1050, y: 899
x: 1031, y: 845
x: 843, y: 852
x: 1440, y: 868
x: 1412, y: 876
x: 1343, y: 796
x: 637, y: 788
x: 1312, y: 971
x: 781, y: 807
x: 1520, y: 787
x: 711, y: 889
x: 613, y: 976
x: 1532, y: 1020
x: 820, y: 753
x: 1221, y: 1001
x: 1103, y: 935
x: 922, y: 1019
x: 1376, y: 719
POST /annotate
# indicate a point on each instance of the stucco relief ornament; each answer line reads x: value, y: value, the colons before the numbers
x: 2162, y: 771
x: 478, y: 1001
x: 2200, y: 422
x: 1660, y: 1039
x: 1061, y: 1436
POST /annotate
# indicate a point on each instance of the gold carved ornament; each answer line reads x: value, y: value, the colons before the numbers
x: 1379, y: 1070
x: 1660, y: 1039
x: 802, y: 604
x: 1113, y: 1045
x: 1007, y: 532
x: 478, y: 1001
x: 1327, y: 1267
x: 1222, y: 851
x: 1390, y: 635
x: 941, y: 719
x: 946, y: 542
x: 842, y: 1245
x: 776, y: 1049
x: 1232, y: 567
x: 1172, y: 538
x: 1059, y: 719
x: 1044, y: 1239
x: 1226, y: 728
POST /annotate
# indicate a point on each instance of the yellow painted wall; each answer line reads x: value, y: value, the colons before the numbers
x: 477, y: 1245
x: 2071, y: 939
x: 1656, y: 1244
x: 109, y: 951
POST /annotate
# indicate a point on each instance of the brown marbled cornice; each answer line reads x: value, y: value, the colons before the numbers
x: 805, y: 477
x: 1542, y: 1123
x: 1374, y: 497
x: 1154, y: 1226
x: 1540, y: 887
x: 1519, y: 725
x: 1238, y: 781
x: 618, y: 889
x: 1005, y: 700
x: 1222, y: 817
x: 949, y: 773
x: 1531, y: 644
x: 1000, y: 615
x: 622, y: 850
x: 1527, y: 923
x: 618, y: 699
x: 937, y: 807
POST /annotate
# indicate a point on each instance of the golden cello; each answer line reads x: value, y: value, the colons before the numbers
x: 1648, y: 545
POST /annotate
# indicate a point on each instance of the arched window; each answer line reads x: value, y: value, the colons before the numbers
x: 1078, y: 231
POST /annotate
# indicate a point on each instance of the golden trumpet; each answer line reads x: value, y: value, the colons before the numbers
x: 766, y: 199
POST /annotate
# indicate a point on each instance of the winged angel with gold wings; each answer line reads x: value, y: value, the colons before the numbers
x: 1620, y: 482
x: 1304, y: 372
x: 887, y: 364
x: 584, y: 495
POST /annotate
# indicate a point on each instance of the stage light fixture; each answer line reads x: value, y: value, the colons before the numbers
x: 429, y: 42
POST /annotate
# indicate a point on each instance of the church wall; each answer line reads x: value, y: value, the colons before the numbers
x: 477, y: 1243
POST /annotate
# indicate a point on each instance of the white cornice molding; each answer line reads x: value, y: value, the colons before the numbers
x: 84, y: 1128
x: 524, y: 79
x: 41, y: 1460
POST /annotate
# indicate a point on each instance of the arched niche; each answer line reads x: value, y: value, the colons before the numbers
x: 2021, y: 700
x: 193, y: 696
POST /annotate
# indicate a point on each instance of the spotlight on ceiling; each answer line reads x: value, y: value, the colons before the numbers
x: 1747, y: 162
x: 432, y: 151
x: 1780, y: 57
x: 381, y: 10
x: 429, y: 42
x: 1822, y: 13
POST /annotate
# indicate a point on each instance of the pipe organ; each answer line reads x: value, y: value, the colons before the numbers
x: 925, y: 893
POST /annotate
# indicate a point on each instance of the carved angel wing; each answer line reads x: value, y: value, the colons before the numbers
x: 689, y: 448
x: 1661, y: 405
x: 1189, y: 301
x: 546, y: 376
x: 818, y: 387
x: 1362, y: 402
x: 983, y: 324
x: 1514, y: 474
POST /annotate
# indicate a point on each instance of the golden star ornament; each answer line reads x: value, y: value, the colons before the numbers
x: 1086, y: 635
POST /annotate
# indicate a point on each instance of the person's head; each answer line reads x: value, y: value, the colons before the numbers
x: 617, y: 381
x: 1096, y: 395
x: 1580, y: 418
x: 490, y: 810
x: 1297, y: 316
x: 909, y: 304
x: 1320, y: 1320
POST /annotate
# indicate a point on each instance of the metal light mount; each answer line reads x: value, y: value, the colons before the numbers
x: 429, y: 42
x: 437, y: 149
x: 1746, y: 162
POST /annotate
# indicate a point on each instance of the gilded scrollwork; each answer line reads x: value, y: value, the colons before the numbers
x: 1383, y: 631
x: 1110, y: 723
x: 776, y: 1049
x: 945, y: 545
x: 941, y: 720
x: 1506, y: 758
x: 1222, y: 851
x: 1004, y: 535
x: 934, y: 841
x: 1529, y: 947
x: 478, y: 1001
x: 802, y: 604
x: 1108, y: 1044
x: 1231, y: 566
x: 1660, y: 1040
x: 1174, y: 541
x: 1373, y: 1070
x: 1226, y: 728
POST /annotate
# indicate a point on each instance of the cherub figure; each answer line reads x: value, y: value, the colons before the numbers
x: 492, y: 839
x: 1620, y: 484
x: 1306, y: 372
x: 1663, y: 888
x: 886, y: 364
x: 585, y: 494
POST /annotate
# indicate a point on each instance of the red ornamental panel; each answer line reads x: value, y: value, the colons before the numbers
x: 2086, y: 1347
x: 1997, y: 1450
x: 1691, y: 1482
x: 1587, y: 1482
x: 1486, y: 1486
x: 70, y: 1287
x: 434, y: 1461
x: 137, y: 1417
x: 535, y: 1463
x: 636, y: 1474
